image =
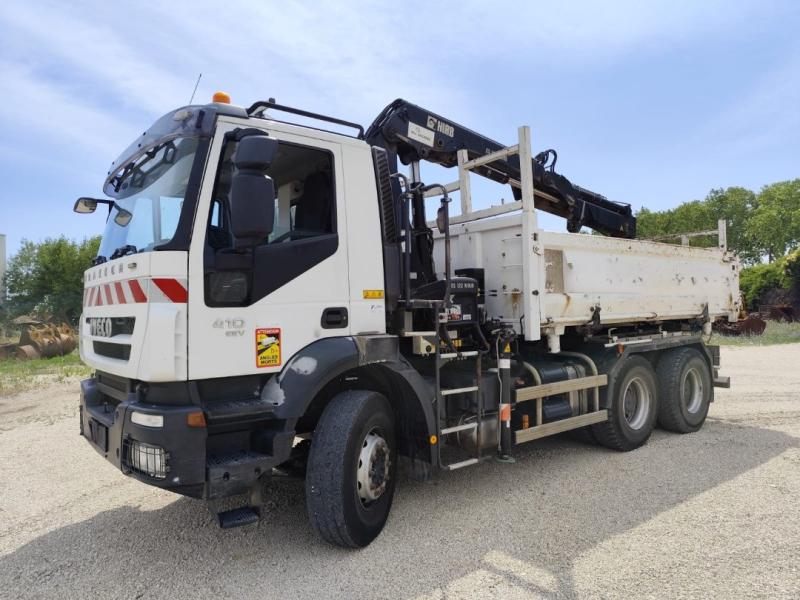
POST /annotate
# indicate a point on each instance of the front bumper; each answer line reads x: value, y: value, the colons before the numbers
x: 106, y: 424
x: 238, y: 446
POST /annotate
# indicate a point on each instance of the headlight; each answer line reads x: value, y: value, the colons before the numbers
x: 145, y: 458
x: 147, y: 420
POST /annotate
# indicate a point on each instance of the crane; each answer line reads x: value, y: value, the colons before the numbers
x: 412, y: 133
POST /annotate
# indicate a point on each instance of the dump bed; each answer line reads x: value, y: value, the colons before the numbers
x: 574, y: 274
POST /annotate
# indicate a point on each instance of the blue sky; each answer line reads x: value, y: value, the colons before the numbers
x: 651, y: 103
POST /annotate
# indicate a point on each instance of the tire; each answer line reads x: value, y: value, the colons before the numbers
x: 685, y: 390
x: 632, y: 406
x: 335, y: 480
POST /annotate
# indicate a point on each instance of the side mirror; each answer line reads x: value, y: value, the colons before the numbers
x: 85, y: 206
x: 252, y: 195
x: 123, y: 217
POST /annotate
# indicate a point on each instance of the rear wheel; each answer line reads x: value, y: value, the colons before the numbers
x: 632, y: 406
x: 684, y: 383
x: 351, y: 469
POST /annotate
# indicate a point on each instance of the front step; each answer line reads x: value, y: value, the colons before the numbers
x: 461, y: 464
x: 464, y: 390
x: 229, y: 411
x: 236, y: 517
x: 462, y: 427
x: 235, y: 472
x: 458, y: 355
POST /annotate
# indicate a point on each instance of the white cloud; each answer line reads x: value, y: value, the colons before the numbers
x: 88, y: 77
x: 43, y: 114
x: 765, y: 116
x: 351, y: 57
x: 79, y: 49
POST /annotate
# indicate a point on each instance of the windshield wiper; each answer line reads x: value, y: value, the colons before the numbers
x: 124, y: 251
x: 134, y: 168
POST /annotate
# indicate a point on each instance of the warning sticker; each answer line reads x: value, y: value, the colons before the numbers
x: 268, y: 347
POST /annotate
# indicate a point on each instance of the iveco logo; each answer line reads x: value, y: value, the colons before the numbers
x: 100, y: 326
x: 441, y: 126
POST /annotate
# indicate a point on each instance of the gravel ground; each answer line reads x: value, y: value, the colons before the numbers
x: 711, y: 514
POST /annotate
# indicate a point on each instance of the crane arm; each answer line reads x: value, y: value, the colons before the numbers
x: 413, y: 133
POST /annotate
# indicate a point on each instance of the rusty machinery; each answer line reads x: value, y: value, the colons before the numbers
x: 40, y: 340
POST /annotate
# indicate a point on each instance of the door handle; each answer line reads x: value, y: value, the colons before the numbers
x: 334, y: 318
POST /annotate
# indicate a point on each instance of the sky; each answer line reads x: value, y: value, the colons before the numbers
x: 650, y: 103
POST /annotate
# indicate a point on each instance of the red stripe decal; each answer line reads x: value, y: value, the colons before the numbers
x: 120, y: 293
x: 109, y: 299
x: 98, y: 297
x: 172, y: 289
x: 136, y: 290
x: 91, y: 296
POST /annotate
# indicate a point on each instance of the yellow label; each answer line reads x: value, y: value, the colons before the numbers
x: 373, y: 294
x: 268, y: 347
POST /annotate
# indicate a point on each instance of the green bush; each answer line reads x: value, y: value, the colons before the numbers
x: 757, y: 280
x: 791, y: 266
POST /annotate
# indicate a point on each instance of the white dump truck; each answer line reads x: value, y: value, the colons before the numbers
x: 269, y: 297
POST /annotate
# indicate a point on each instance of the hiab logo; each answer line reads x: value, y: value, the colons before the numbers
x: 440, y: 126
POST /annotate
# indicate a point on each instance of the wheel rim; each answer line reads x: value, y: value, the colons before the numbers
x: 693, y: 391
x: 373, y: 467
x: 636, y: 403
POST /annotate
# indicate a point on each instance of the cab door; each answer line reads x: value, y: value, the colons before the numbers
x: 251, y: 312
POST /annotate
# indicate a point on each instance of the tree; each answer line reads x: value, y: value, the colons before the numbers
x: 47, y: 278
x: 774, y: 225
x: 734, y: 204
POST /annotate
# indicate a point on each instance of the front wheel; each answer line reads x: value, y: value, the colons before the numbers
x: 351, y: 469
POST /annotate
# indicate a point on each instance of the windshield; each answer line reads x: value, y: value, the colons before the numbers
x: 148, y: 197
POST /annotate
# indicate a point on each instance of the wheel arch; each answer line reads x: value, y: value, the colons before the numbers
x: 313, y: 376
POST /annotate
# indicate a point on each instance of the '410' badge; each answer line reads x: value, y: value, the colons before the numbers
x: 268, y: 347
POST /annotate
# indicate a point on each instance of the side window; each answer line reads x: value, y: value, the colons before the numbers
x: 304, y: 231
x: 303, y: 179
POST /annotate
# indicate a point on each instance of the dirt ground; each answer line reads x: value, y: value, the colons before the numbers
x: 710, y: 514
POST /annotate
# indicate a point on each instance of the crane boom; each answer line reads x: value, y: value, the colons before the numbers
x: 412, y: 133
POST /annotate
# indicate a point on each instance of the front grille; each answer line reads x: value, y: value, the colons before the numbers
x: 119, y: 325
x: 145, y: 459
x: 121, y: 384
x: 118, y: 351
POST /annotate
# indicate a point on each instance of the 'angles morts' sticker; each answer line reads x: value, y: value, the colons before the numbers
x: 268, y: 347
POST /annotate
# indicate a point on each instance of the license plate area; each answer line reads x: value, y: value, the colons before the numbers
x: 98, y: 434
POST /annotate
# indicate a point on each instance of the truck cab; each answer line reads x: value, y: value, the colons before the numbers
x: 184, y: 323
